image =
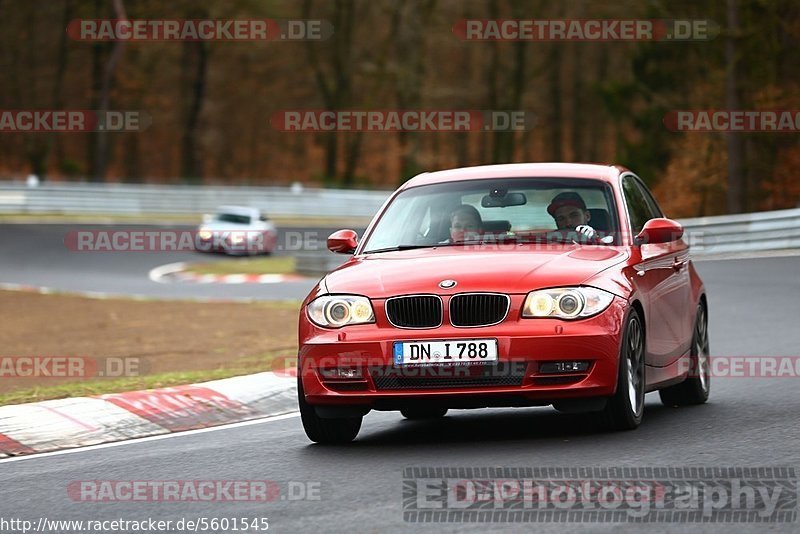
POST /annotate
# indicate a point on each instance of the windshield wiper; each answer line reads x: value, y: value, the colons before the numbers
x: 400, y: 247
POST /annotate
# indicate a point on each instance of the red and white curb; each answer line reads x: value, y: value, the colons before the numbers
x: 177, y: 271
x: 81, y: 421
x: 238, y: 278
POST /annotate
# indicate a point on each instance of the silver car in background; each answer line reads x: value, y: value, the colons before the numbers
x: 237, y: 230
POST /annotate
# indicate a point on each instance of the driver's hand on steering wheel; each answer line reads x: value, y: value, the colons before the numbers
x: 586, y: 232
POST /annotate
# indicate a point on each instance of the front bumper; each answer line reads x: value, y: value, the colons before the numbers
x: 516, y: 380
x: 248, y: 242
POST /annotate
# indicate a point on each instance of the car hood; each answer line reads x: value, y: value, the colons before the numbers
x: 517, y: 270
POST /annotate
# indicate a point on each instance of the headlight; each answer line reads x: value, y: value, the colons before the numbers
x: 340, y: 310
x: 205, y: 234
x: 566, y: 302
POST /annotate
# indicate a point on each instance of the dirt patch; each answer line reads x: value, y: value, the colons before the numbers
x: 165, y: 337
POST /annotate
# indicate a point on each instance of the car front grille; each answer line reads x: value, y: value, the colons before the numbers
x: 478, y: 309
x: 435, y: 377
x: 415, y: 311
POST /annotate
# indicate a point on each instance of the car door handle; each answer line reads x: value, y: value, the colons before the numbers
x: 678, y: 264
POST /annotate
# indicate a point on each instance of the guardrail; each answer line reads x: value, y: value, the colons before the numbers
x: 773, y: 230
x: 134, y: 199
x: 748, y: 232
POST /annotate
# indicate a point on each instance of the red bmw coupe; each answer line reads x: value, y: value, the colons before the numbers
x: 506, y: 286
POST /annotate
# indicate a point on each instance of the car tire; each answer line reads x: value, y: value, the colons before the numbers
x: 415, y: 414
x: 625, y: 409
x: 697, y: 386
x: 323, y: 430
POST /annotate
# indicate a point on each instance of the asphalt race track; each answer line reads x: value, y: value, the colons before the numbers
x: 748, y: 422
x: 35, y: 254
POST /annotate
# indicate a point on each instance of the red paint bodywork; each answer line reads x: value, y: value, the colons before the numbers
x: 659, y: 279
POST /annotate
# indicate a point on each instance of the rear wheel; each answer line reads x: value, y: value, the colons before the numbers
x: 423, y: 413
x: 624, y: 410
x: 697, y: 386
x: 323, y: 430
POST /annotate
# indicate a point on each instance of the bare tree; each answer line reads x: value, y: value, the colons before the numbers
x: 736, y: 196
x: 194, y: 80
x: 99, y: 152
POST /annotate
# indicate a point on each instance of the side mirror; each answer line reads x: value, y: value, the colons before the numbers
x: 343, y: 241
x: 660, y: 230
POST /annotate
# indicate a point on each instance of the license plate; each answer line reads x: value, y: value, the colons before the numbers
x: 455, y: 351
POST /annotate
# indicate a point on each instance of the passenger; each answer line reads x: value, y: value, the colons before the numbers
x: 465, y: 224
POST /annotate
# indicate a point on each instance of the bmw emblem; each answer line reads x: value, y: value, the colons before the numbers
x: 447, y: 284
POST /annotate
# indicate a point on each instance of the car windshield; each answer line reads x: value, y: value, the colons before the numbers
x: 504, y: 210
x: 232, y: 218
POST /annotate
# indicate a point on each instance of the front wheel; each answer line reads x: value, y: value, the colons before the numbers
x: 624, y: 410
x: 697, y: 386
x: 323, y: 430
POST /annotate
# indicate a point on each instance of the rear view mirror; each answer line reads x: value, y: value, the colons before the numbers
x: 659, y: 230
x: 504, y: 201
x: 343, y: 241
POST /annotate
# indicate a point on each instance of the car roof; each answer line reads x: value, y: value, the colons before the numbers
x: 606, y: 173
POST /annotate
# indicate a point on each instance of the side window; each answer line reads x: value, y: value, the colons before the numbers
x: 655, y: 210
x: 638, y: 208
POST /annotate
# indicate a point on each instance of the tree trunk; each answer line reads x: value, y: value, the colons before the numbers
x: 556, y: 152
x: 736, y: 196
x: 191, y: 161
x: 101, y: 149
x: 58, y: 92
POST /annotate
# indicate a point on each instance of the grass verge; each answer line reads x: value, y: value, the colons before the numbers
x: 172, y: 342
x: 264, y: 265
x: 248, y: 365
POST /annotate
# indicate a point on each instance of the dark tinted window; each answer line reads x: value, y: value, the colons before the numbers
x: 655, y: 210
x: 638, y: 208
x: 232, y: 218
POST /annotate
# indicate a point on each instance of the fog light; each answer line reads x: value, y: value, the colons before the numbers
x: 563, y: 367
x: 340, y: 373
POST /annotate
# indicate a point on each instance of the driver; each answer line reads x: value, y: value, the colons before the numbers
x: 465, y: 224
x: 569, y: 211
